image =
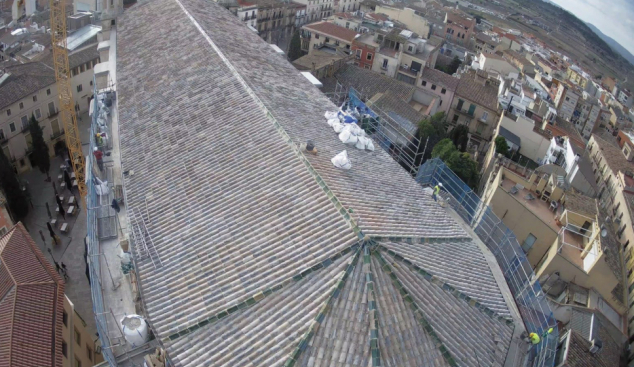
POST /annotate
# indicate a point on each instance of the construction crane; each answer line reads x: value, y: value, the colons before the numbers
x: 66, y: 105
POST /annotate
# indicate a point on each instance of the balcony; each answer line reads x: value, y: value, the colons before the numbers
x: 25, y: 129
x: 52, y: 113
x: 465, y: 112
x: 407, y: 70
x: 4, y: 140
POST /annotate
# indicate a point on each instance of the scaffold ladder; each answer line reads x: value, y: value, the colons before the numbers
x: 144, y: 248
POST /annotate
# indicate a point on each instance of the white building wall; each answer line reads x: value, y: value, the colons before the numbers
x: 534, y: 146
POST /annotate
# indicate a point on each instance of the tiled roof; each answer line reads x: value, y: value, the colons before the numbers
x: 77, y: 58
x: 583, y: 328
x: 318, y: 59
x: 581, y: 204
x: 333, y: 30
x: 438, y: 77
x: 485, y: 95
x: 613, y: 156
x: 390, y: 104
x: 486, y: 39
x: 25, y: 80
x: 369, y: 83
x: 459, y: 19
x: 565, y: 128
x: 31, y: 304
x: 260, y: 244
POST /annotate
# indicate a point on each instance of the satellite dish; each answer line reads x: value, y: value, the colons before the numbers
x: 604, y: 232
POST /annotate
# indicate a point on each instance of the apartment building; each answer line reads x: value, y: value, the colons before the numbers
x: 442, y: 85
x: 510, y: 42
x: 25, y: 90
x: 365, y: 49
x: 494, y: 63
x: 40, y: 325
x: 625, y: 97
x: 275, y: 20
x: 247, y: 11
x: 301, y: 17
x: 563, y: 234
x: 329, y: 35
x: 475, y: 104
x: 613, y: 168
x: 533, y: 141
x: 485, y: 43
x: 577, y: 76
x: 586, y: 115
x: 567, y: 103
x: 413, y: 20
x: 317, y: 10
x: 346, y: 20
x: 346, y: 5
x: 458, y: 28
x: 81, y: 63
x: 575, y: 162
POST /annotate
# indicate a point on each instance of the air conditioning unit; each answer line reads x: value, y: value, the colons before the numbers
x: 596, y: 346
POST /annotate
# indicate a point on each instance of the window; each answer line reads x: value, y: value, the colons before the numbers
x: 82, y: 68
x: 460, y: 103
x: 567, y: 99
x: 21, y: 162
x: 48, y: 92
x: 88, y: 65
x: 77, y: 362
x: 358, y: 53
x: 51, y: 108
x: 55, y: 127
x: 91, y: 83
x: 384, y: 64
x: 455, y: 118
x: 28, y: 139
x: 410, y: 48
x: 433, y: 87
x: 316, y: 36
x: 2, y: 134
x: 21, y: 105
x: 89, y: 353
x: 472, y: 109
x: 25, y: 122
x: 369, y: 57
x: 528, y: 242
x: 424, y: 83
x: 77, y: 336
x: 485, y: 116
x: 64, y: 349
x: 440, y: 104
x: 337, y: 43
x: 65, y: 319
x: 443, y: 91
x: 9, y: 112
x: 34, y: 98
x: 79, y: 88
x: 38, y: 113
x: 12, y: 127
x: 348, y: 25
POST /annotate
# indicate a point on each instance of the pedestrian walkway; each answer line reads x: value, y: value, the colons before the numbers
x: 71, y: 250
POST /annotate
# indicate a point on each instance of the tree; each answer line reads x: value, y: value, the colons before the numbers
x: 460, y: 163
x: 460, y: 137
x: 433, y: 128
x: 295, y: 47
x: 453, y: 66
x: 41, y: 155
x: 501, y: 146
x: 10, y: 186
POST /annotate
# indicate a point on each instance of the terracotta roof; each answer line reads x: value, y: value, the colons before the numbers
x: 486, y: 39
x: 613, y: 156
x: 333, y: 30
x: 463, y: 21
x: 25, y: 80
x: 377, y: 16
x: 583, y: 327
x: 31, y: 304
x: 485, y: 95
x: 369, y: 83
x: 581, y: 204
x: 565, y: 128
x: 438, y: 77
x: 345, y: 15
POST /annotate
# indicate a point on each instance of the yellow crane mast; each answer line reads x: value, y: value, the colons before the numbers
x: 66, y: 105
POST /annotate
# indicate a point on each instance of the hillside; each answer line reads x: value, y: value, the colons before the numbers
x: 613, y: 43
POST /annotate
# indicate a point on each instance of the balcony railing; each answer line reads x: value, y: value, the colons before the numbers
x: 407, y: 70
x: 465, y: 112
x: 25, y: 128
x: 3, y: 140
x: 53, y: 113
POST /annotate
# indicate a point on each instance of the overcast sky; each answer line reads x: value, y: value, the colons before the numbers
x: 615, y: 18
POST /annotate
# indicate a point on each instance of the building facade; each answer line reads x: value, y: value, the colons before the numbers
x: 326, y: 34
x: 275, y: 21
x: 475, y: 105
x: 40, y: 100
x: 247, y: 12
x: 414, y: 21
x: 441, y: 84
x: 365, y: 50
x: 458, y: 28
x: 317, y: 10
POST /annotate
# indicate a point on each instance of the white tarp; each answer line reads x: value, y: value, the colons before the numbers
x: 341, y: 160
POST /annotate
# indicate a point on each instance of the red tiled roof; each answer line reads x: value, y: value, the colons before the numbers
x: 31, y: 304
x: 377, y: 16
x: 458, y: 19
x: 333, y: 30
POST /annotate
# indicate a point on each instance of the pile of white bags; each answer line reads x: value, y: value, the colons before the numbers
x: 341, y: 160
x: 349, y: 132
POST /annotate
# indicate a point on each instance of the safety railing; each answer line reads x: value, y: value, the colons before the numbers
x: 93, y: 205
x: 527, y: 292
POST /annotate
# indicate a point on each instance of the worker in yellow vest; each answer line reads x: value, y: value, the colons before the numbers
x: 436, y: 191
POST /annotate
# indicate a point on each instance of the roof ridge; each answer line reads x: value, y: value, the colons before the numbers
x: 418, y: 313
x: 471, y: 301
x: 375, y: 352
x: 261, y: 294
x: 56, y: 278
x: 321, y: 315
x: 285, y: 136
